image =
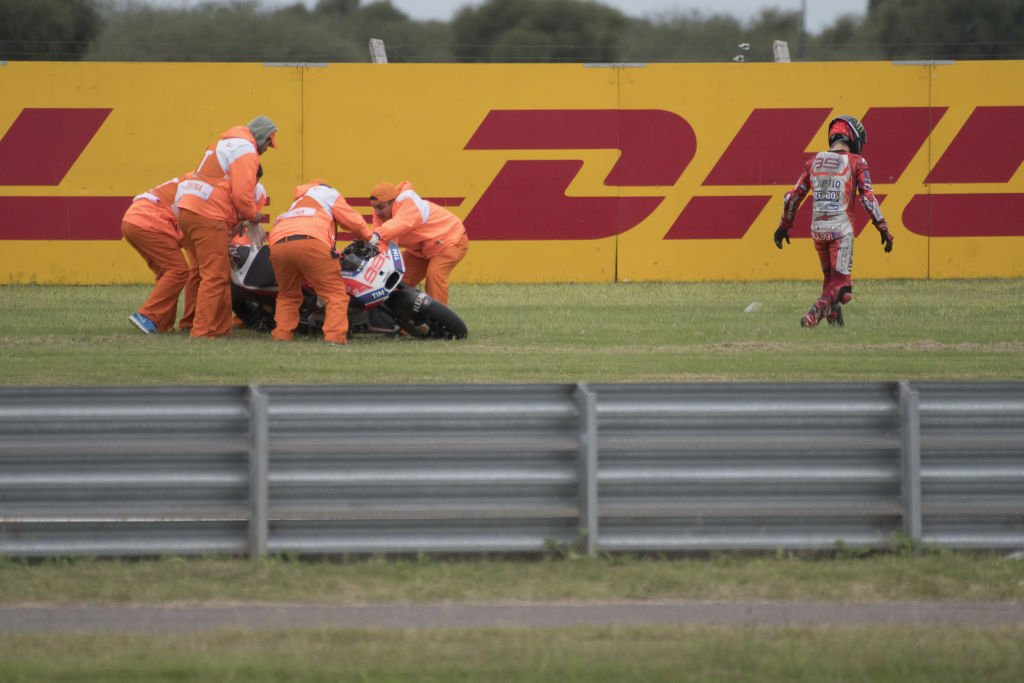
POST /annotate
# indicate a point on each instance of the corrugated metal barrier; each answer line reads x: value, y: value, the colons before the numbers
x: 336, y: 470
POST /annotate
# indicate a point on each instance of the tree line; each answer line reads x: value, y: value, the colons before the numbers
x: 499, y: 31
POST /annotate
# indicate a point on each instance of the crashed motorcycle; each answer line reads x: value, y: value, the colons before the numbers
x: 379, y: 302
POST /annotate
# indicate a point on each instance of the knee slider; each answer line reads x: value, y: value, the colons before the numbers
x: 845, y: 294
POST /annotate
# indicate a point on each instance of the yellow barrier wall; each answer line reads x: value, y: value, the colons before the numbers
x: 561, y: 172
x: 756, y: 124
x: 161, y: 118
x: 978, y: 147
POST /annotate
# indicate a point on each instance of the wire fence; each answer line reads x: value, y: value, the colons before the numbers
x: 355, y: 51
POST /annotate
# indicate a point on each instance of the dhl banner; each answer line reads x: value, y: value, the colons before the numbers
x: 561, y: 173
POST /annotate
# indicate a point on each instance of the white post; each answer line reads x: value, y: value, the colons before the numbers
x: 378, y: 55
x: 780, y: 49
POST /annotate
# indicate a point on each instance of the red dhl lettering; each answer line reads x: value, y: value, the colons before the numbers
x: 897, y: 133
x: 42, y: 144
x: 656, y: 147
x: 40, y: 148
x: 989, y: 148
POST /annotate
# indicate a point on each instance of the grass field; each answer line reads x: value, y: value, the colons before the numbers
x: 587, y: 655
x: 875, y: 653
x: 657, y: 332
x: 626, y: 332
x: 899, y: 575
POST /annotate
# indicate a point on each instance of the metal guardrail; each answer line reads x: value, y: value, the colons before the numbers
x: 134, y: 471
x: 972, y: 464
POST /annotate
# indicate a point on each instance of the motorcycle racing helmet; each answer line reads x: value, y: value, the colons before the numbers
x: 850, y: 129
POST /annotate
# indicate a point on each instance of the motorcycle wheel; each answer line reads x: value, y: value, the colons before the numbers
x: 254, y: 309
x: 422, y: 316
x: 446, y: 321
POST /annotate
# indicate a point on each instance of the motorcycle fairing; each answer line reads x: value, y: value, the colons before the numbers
x: 377, y: 277
x: 251, y: 267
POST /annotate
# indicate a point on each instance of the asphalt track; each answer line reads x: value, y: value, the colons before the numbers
x: 261, y: 616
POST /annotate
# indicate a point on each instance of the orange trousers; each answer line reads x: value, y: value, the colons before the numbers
x: 436, y: 269
x: 310, y: 259
x: 162, y: 254
x: 206, y: 241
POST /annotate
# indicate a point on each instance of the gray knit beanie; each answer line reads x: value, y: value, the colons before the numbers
x: 262, y: 128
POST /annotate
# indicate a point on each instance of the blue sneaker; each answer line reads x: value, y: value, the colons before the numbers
x: 143, y: 323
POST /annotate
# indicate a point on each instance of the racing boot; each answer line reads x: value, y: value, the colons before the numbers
x: 819, y: 310
x: 835, y: 317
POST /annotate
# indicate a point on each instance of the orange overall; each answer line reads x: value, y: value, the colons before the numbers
x: 300, y: 248
x: 150, y: 226
x: 209, y: 204
x: 433, y: 238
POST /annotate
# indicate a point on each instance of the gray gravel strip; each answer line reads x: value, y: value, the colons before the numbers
x: 188, y: 618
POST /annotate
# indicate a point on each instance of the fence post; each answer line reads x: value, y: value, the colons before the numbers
x: 378, y: 53
x: 586, y: 406
x: 780, y: 50
x: 259, y: 457
x: 910, y: 457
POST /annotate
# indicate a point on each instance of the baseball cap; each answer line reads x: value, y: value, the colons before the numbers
x: 382, y: 192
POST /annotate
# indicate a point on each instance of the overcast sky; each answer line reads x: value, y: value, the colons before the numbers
x: 820, y: 13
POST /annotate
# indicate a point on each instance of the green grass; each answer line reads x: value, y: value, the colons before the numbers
x: 656, y: 332
x: 591, y: 655
x: 626, y: 332
x: 930, y: 575
x: 649, y: 654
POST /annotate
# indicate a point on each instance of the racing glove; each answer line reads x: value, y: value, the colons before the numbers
x: 781, y: 233
x: 883, y: 230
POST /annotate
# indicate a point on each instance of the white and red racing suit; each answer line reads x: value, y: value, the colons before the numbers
x: 835, y: 177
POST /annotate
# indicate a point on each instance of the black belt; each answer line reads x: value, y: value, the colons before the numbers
x: 289, y: 238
